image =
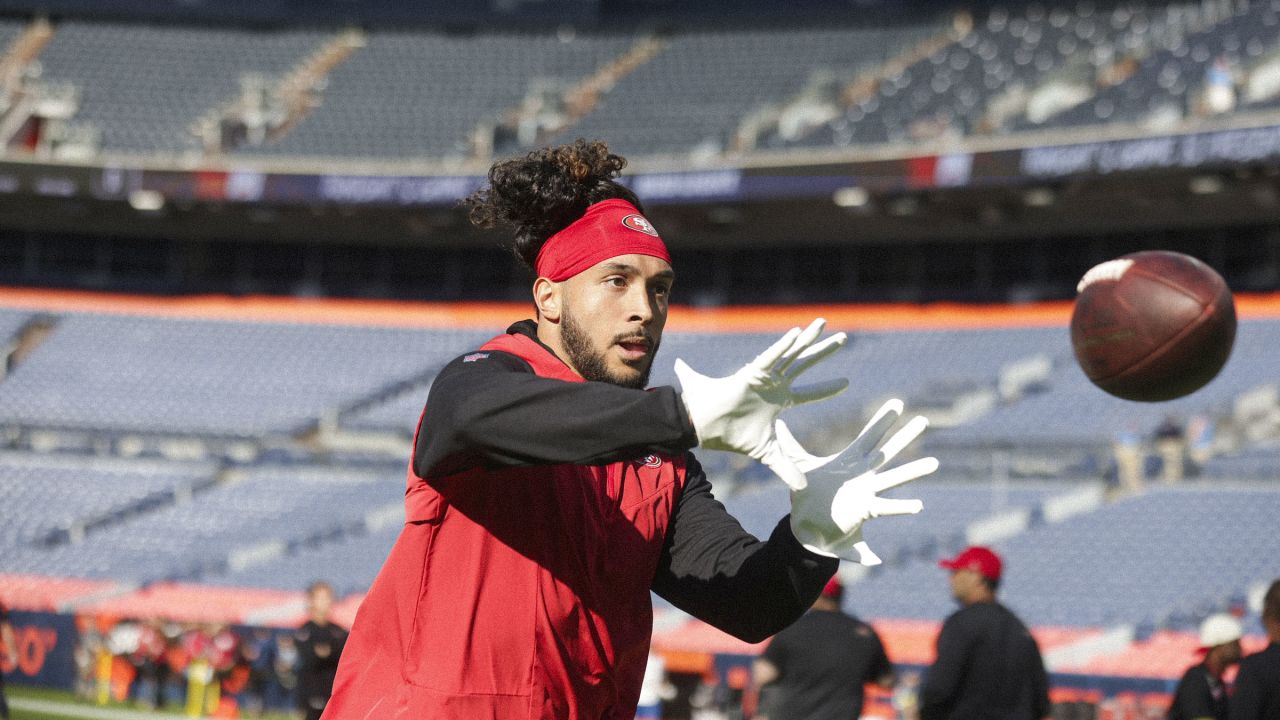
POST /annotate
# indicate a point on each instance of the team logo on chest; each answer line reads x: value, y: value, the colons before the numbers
x: 649, y: 461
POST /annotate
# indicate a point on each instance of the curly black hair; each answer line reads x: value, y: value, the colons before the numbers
x: 543, y: 192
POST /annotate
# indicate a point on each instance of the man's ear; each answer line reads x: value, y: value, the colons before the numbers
x: 547, y: 295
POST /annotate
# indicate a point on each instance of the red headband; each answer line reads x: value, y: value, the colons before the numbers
x: 608, y: 229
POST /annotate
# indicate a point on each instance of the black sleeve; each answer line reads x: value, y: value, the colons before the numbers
x: 1246, y: 701
x: 337, y: 641
x: 1192, y: 699
x: 880, y: 665
x: 495, y: 412
x: 942, y: 681
x: 776, y: 652
x: 714, y: 570
x: 1039, y: 683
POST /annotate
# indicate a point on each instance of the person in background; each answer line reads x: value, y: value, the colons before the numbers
x: 9, y: 648
x: 1201, y: 693
x: 147, y: 659
x: 320, y: 644
x: 988, y: 665
x: 258, y: 653
x: 1171, y: 445
x: 654, y: 688
x: 1257, y: 690
x: 819, y: 665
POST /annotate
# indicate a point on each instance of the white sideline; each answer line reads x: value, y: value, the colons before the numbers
x: 76, y: 710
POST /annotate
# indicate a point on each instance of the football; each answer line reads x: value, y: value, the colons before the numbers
x: 1152, y: 326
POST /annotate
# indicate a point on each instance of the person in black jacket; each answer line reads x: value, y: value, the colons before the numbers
x: 320, y: 644
x: 817, y: 668
x: 1257, y: 690
x: 1202, y: 694
x: 988, y: 665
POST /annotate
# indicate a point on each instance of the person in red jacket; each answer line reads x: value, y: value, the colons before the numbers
x: 549, y: 492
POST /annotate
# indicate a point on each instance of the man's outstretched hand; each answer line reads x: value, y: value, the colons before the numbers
x: 841, y: 494
x: 737, y: 412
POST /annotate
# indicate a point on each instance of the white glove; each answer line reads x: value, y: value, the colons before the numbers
x: 736, y: 413
x: 827, y: 515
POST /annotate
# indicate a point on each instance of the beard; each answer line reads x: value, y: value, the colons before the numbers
x: 591, y: 364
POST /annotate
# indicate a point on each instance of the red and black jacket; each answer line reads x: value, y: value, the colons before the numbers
x: 540, y: 511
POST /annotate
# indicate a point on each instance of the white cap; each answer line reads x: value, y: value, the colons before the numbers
x: 1219, y: 629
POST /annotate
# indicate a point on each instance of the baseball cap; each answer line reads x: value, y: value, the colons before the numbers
x: 977, y: 558
x: 1219, y: 629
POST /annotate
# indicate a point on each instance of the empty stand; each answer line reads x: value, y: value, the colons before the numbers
x: 44, y: 494
x: 420, y: 94
x: 155, y: 375
x: 11, y: 322
x: 1072, y: 411
x: 264, y: 507
x: 144, y: 87
x: 350, y: 564
x: 694, y: 92
x: 1163, y: 557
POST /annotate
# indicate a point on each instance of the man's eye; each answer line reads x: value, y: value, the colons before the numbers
x: 616, y: 282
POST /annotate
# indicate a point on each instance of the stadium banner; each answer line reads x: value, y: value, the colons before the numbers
x: 46, y: 650
x: 1245, y: 145
x: 789, y: 180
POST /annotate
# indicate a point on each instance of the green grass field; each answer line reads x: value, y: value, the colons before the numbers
x: 70, y: 707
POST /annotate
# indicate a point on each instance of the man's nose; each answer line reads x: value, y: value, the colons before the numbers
x: 641, y: 306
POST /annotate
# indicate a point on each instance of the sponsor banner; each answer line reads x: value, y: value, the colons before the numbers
x: 952, y: 170
x: 395, y: 190
x: 46, y: 650
x: 1175, y: 151
x: 687, y: 186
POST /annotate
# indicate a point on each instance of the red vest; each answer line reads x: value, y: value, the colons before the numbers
x: 515, y: 593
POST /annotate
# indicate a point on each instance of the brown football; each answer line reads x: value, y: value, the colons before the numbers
x: 1153, y: 325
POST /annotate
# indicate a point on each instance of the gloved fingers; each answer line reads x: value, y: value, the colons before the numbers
x: 888, y: 507
x: 872, y: 433
x: 687, y: 375
x: 782, y: 466
x: 794, y: 450
x: 818, y: 391
x: 903, y: 474
x: 803, y: 342
x: 767, y: 359
x: 861, y: 553
x: 853, y: 548
x: 815, y: 354
x: 901, y: 439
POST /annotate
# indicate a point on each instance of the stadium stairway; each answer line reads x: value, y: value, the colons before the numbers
x: 286, y: 102
x: 574, y: 103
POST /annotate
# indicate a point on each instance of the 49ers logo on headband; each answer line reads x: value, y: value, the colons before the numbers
x: 595, y: 237
x: 637, y: 222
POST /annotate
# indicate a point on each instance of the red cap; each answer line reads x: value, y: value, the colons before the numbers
x: 833, y: 588
x: 608, y: 229
x: 978, y: 559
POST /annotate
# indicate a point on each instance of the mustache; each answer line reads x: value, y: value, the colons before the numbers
x: 649, y: 341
